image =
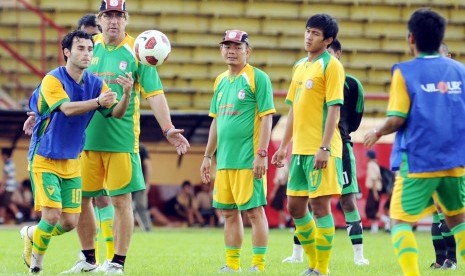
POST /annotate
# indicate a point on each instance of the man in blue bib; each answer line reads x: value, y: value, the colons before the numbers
x: 426, y: 108
x: 63, y: 104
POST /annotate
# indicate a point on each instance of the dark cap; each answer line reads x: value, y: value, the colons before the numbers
x: 371, y: 154
x: 113, y: 5
x: 235, y: 36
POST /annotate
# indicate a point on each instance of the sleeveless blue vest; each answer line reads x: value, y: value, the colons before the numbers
x: 64, y: 136
x: 432, y: 133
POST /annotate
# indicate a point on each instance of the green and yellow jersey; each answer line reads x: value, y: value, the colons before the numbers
x: 238, y: 103
x: 109, y: 62
x: 315, y: 85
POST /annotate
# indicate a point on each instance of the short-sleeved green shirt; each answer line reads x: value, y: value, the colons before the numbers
x: 109, y: 62
x: 238, y: 103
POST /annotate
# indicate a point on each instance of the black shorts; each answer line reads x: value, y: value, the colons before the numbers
x: 5, y: 198
x: 278, y: 201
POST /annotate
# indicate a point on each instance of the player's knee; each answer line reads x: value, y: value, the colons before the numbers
x: 230, y: 214
x: 51, y: 215
x: 69, y: 222
x: 122, y: 202
x: 348, y: 203
x: 256, y: 214
x: 102, y: 201
x: 68, y: 225
x: 297, y: 209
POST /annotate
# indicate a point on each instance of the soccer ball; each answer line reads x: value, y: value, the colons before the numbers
x: 152, y: 48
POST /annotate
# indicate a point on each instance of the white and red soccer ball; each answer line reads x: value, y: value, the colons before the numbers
x: 152, y: 48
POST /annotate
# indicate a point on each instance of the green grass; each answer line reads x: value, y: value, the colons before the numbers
x: 199, y: 251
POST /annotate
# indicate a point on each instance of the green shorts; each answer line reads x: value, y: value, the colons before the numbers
x: 349, y: 170
x: 52, y: 191
x: 304, y: 180
x: 238, y: 189
x: 412, y: 197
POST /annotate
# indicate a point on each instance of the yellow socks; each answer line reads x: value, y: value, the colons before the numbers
x: 405, y: 248
x: 324, y: 242
x: 305, y: 232
x: 41, y: 237
x: 258, y: 259
x: 106, y: 226
x: 58, y: 230
x: 233, y: 257
x: 96, y: 241
x: 459, y: 235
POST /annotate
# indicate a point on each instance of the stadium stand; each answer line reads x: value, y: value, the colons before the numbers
x: 372, y: 41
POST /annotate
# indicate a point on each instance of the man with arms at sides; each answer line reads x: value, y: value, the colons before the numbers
x: 315, y: 97
x: 351, y: 115
x: 426, y: 104
x: 242, y: 108
x: 110, y: 161
x: 63, y: 104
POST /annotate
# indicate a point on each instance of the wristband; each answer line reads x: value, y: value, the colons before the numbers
x: 98, y: 101
x: 325, y: 149
x: 377, y: 134
x: 208, y: 156
x: 262, y: 153
x: 167, y: 129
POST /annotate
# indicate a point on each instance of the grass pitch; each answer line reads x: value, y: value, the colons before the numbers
x: 200, y: 251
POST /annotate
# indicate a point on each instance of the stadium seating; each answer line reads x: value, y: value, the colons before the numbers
x: 372, y: 41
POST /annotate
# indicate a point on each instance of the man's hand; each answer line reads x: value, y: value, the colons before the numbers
x: 126, y: 82
x: 205, y: 170
x: 28, y: 125
x: 370, y: 139
x: 259, y: 167
x: 107, y: 98
x: 278, y: 158
x: 176, y: 139
x: 321, y: 159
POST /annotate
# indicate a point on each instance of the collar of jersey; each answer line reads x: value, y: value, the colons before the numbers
x: 428, y: 55
x: 318, y: 57
x: 99, y: 40
x: 232, y: 78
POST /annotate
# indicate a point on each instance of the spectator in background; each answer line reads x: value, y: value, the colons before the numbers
x: 140, y: 198
x: 204, y: 200
x: 374, y: 185
x: 24, y: 200
x: 186, y: 205
x: 8, y: 186
x: 159, y: 218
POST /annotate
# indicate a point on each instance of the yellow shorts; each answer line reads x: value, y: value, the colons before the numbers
x: 112, y: 173
x: 238, y: 189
